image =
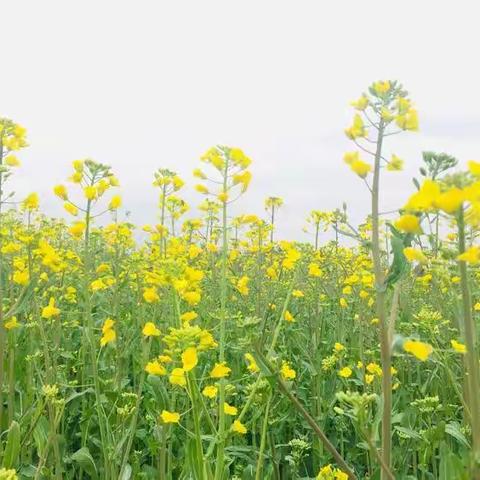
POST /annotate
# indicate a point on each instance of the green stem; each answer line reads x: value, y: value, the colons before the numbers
x: 263, y: 440
x: 219, y: 467
x: 385, y: 347
x: 471, y: 354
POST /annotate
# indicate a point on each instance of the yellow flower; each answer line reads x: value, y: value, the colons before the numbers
x: 252, y: 364
x: 361, y: 168
x: 177, y: 377
x: 347, y: 290
x: 408, y: 120
x: 98, y: 284
x: 374, y: 369
x: 12, y: 161
x: 90, y: 192
x: 21, y: 277
x: 314, y: 270
x: 188, y: 316
x: 289, y: 317
x: 78, y: 165
x: 155, y: 368
x: 298, y: 294
x: 345, y: 372
x: 229, y: 409
x: 386, y: 114
x: 50, y: 310
x: 150, y: 295
x: 382, y: 86
x: 338, y: 347
x: 60, y: 191
x: 150, y: 330
x: 343, y: 303
x: 107, y: 337
x: 169, y: 417
x: 474, y: 168
x: 242, y: 285
x: 239, y: 427
x: 201, y: 188
x: 189, y: 359
x: 351, y: 157
x: 361, y: 103
x: 220, y: 370
x: 425, y: 199
x: 10, y: 473
x: 210, y: 391
x: 408, y: 223
x: 357, y: 129
x: 71, y: 209
x: 287, y: 372
x: 31, y: 202
x: 244, y: 179
x: 12, y: 323
x: 403, y: 105
x: 471, y: 256
x: 418, y: 349
x: 77, y: 229
x: 197, y: 173
x: 115, y: 202
x: 223, y: 197
x: 395, y: 164
x: 192, y: 298
x: 458, y: 347
x: 414, y: 255
x: 451, y: 200
x: 108, y: 325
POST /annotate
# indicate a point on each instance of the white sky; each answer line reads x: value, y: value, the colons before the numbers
x: 146, y: 84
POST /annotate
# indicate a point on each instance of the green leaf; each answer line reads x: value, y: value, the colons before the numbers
x: 127, y: 473
x: 73, y: 396
x: 399, y: 264
x: 451, y: 466
x: 40, y: 434
x: 453, y: 429
x: 85, y: 460
x: 12, y: 447
x: 408, y: 432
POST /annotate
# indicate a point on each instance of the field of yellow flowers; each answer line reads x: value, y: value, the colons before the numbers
x: 213, y: 350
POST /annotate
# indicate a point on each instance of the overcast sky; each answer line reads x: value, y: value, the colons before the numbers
x: 146, y: 84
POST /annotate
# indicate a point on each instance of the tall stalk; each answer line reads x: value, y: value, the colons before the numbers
x: 90, y: 340
x: 2, y: 327
x: 385, y: 347
x: 471, y: 355
x: 223, y: 314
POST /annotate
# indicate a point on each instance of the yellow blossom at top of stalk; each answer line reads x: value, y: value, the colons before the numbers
x: 382, y: 86
x: 287, y: 372
x: 239, y: 427
x: 50, y: 310
x: 408, y: 223
x: 471, y: 256
x: 31, y: 202
x: 458, y: 347
x: 150, y: 330
x: 414, y: 255
x: 189, y: 359
x: 169, y: 417
x: 357, y: 129
x: 418, y: 349
x: 220, y: 370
